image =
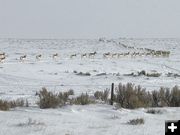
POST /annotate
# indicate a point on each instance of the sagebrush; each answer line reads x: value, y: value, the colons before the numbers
x: 102, y: 95
x: 52, y: 100
x: 6, y: 105
x: 131, y: 96
x: 137, y: 121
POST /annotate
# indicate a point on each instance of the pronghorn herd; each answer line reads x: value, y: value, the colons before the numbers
x: 137, y: 54
x: 148, y: 52
x: 85, y: 55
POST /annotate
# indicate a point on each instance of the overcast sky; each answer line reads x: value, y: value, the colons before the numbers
x: 89, y: 18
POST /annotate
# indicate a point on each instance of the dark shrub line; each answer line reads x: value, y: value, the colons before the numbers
x: 50, y: 100
x: 126, y: 96
x: 144, y: 73
x: 130, y: 96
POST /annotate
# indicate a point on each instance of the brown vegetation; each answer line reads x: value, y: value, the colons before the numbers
x: 6, y: 105
x: 137, y: 121
x: 130, y: 96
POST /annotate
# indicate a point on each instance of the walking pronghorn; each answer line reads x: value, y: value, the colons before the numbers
x: 22, y: 58
x: 120, y: 55
x: 73, y: 55
x: 2, y: 56
x: 92, y: 54
x: 114, y: 55
x: 38, y: 57
x: 106, y: 55
x: 83, y: 55
x: 126, y: 54
x: 55, y: 55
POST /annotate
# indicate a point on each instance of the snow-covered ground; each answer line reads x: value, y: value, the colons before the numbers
x: 21, y: 79
x: 81, y: 120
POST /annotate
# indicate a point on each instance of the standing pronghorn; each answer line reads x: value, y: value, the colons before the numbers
x: 126, y: 54
x: 38, y: 57
x: 2, y: 56
x: 22, y: 58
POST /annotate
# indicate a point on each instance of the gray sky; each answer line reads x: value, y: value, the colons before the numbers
x: 89, y: 18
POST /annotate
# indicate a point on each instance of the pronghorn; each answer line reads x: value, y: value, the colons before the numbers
x: 23, y: 57
x: 126, y: 54
x: 148, y: 54
x: 120, y: 54
x: 101, y: 39
x: 92, y: 54
x: 55, y: 55
x: 114, y: 55
x: 137, y: 53
x: 123, y: 45
x: 142, y: 54
x: 105, y: 55
x: 134, y: 54
x: 159, y: 52
x: 2, y: 57
x: 73, y: 55
x: 38, y: 57
x: 149, y: 50
x: 83, y: 55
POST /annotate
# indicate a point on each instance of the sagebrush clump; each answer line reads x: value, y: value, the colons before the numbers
x: 154, y: 111
x: 6, y: 105
x: 50, y: 100
x: 137, y: 121
x: 83, y: 99
x: 102, y: 95
x: 130, y: 96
